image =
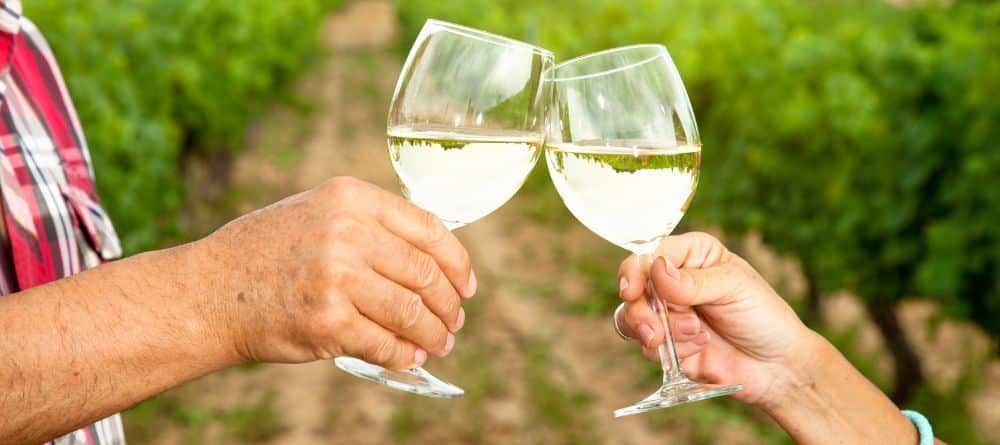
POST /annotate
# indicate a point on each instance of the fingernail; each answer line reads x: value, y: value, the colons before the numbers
x: 622, y: 284
x: 471, y: 290
x: 449, y: 344
x: 645, y: 334
x: 461, y: 319
x: 419, y: 358
x: 672, y: 271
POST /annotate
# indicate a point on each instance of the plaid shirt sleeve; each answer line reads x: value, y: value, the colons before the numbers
x: 53, y: 222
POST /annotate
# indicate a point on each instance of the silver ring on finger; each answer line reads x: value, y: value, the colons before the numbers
x: 618, y: 328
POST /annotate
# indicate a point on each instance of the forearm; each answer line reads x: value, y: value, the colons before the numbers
x: 79, y: 349
x: 829, y: 402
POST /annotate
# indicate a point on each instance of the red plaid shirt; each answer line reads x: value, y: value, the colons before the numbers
x: 53, y: 224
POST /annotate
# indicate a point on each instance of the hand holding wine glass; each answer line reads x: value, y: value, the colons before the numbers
x: 754, y: 338
x: 751, y: 334
x: 465, y: 129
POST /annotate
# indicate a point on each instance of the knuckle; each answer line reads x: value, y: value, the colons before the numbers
x: 718, y: 253
x: 408, y: 312
x: 703, y: 238
x: 334, y: 321
x: 439, y: 338
x: 342, y: 184
x: 333, y: 276
x: 447, y: 308
x: 450, y: 304
x: 426, y: 270
x: 346, y: 227
x: 339, y: 276
x: 383, y: 351
x: 344, y: 189
x: 744, y: 273
x: 738, y: 263
x: 434, y: 230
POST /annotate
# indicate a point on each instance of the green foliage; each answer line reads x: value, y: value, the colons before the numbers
x: 601, y: 269
x: 155, y: 80
x: 404, y: 424
x: 855, y: 135
x: 684, y: 162
x: 253, y: 423
x: 540, y: 200
x: 559, y: 409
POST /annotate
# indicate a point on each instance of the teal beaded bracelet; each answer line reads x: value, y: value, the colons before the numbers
x: 923, y: 426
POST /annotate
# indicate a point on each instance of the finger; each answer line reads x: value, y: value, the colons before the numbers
x: 401, y: 311
x: 651, y: 353
x: 687, y: 349
x: 692, y: 250
x: 684, y: 350
x: 676, y: 307
x: 639, y: 322
x: 684, y: 322
x: 684, y: 326
x: 631, y: 279
x: 401, y: 262
x: 374, y: 344
x: 425, y: 231
x: 719, y: 284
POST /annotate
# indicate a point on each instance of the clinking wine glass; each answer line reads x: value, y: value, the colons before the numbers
x: 466, y: 126
x: 624, y: 153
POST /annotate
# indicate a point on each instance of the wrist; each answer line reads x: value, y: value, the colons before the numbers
x: 798, y: 374
x: 820, y: 395
x: 207, y: 279
x: 799, y: 400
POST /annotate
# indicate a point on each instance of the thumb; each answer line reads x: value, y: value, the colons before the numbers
x: 719, y: 284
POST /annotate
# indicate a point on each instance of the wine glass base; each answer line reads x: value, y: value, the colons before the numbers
x: 675, y: 394
x: 416, y: 380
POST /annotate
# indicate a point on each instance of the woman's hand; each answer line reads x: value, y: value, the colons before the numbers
x: 343, y: 269
x: 733, y: 328
x: 728, y: 324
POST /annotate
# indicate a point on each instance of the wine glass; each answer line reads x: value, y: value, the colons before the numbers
x: 624, y: 153
x: 466, y: 126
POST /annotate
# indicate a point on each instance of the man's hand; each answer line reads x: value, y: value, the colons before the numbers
x: 343, y: 269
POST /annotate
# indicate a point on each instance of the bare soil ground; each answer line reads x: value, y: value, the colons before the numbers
x: 535, y: 372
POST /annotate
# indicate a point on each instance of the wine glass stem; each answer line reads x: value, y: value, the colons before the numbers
x: 668, y: 353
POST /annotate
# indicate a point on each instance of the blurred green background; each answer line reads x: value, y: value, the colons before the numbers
x: 850, y: 153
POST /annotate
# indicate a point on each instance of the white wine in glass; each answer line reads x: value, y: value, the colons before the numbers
x: 624, y: 154
x: 484, y: 170
x: 466, y: 126
x: 599, y: 184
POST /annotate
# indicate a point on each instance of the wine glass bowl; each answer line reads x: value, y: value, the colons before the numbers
x: 466, y: 121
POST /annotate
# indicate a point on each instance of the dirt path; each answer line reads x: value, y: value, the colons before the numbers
x: 535, y: 373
